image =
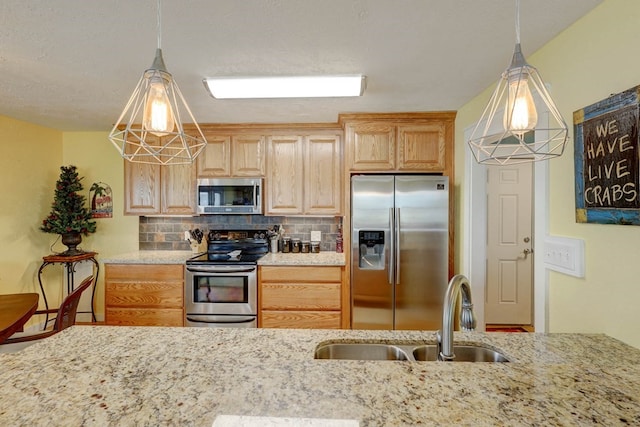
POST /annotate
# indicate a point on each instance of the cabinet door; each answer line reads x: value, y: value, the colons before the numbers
x: 371, y: 146
x: 284, y: 175
x: 301, y: 319
x: 322, y: 183
x: 142, y: 188
x: 178, y: 189
x: 214, y: 159
x: 421, y: 147
x: 247, y: 155
x: 144, y: 295
x: 300, y: 297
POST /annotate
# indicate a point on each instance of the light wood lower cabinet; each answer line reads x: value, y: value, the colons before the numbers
x: 300, y: 297
x: 144, y: 294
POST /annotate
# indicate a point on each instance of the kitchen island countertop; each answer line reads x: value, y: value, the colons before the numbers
x: 100, y: 375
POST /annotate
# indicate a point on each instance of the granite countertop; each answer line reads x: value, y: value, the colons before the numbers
x: 322, y: 258
x: 150, y: 257
x: 179, y: 257
x: 101, y: 375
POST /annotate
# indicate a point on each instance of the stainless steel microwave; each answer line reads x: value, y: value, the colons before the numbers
x: 230, y: 196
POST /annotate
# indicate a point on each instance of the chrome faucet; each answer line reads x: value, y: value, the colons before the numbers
x: 458, y: 285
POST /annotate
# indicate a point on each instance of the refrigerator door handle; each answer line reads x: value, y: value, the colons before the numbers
x: 392, y: 263
x: 397, y: 244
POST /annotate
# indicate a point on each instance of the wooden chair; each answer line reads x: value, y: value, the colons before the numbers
x: 65, y: 315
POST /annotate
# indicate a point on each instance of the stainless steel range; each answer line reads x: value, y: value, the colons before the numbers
x: 221, y: 285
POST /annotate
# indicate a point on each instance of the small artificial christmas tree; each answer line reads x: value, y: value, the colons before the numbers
x: 69, y: 216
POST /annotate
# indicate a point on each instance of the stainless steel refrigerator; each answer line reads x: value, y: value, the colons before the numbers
x: 399, y: 251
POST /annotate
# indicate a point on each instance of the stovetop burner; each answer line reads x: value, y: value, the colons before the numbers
x: 222, y: 245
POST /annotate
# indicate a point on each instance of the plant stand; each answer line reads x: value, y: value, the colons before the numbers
x: 69, y: 263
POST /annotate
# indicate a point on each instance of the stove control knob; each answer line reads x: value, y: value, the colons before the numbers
x: 215, y: 235
x: 259, y: 236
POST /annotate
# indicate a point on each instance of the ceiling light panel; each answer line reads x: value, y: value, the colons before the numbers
x: 286, y: 87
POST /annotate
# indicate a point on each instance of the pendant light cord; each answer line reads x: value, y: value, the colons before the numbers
x: 159, y: 25
x: 517, y: 21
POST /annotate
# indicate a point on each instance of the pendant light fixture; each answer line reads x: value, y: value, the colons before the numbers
x: 150, y: 129
x: 521, y: 123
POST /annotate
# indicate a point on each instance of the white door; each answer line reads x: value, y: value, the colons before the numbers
x: 509, y: 270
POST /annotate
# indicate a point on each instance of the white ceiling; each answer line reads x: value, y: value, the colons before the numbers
x: 72, y: 64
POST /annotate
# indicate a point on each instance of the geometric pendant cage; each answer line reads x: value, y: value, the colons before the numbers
x: 150, y: 128
x: 521, y: 123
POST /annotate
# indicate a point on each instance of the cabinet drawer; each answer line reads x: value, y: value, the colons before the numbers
x: 301, y: 274
x: 298, y: 296
x: 143, y: 295
x: 144, y: 317
x: 145, y: 272
x: 301, y: 319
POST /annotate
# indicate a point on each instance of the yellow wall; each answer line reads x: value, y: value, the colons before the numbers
x: 29, y: 167
x: 592, y: 59
x: 98, y: 161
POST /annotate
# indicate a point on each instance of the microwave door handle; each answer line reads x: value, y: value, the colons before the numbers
x: 255, y: 195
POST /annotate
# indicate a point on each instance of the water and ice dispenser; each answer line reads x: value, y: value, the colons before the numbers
x: 371, y: 244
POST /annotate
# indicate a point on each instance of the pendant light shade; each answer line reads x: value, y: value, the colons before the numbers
x: 521, y: 123
x: 150, y: 129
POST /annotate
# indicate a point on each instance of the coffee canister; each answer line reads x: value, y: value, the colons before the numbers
x: 286, y: 245
x: 315, y: 247
x: 295, y: 246
x: 306, y: 247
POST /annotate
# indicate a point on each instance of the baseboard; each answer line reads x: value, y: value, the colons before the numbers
x: 509, y: 328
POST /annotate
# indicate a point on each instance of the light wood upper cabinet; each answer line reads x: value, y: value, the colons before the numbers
x: 303, y: 175
x: 232, y: 156
x: 399, y: 142
x: 247, y: 155
x: 215, y: 159
x: 421, y: 147
x: 322, y: 183
x: 284, y: 175
x: 178, y: 189
x: 372, y: 146
x: 142, y: 188
x: 155, y: 189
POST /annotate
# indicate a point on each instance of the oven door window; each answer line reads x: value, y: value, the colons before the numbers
x: 220, y: 289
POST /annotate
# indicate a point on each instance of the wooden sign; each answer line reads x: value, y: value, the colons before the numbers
x: 606, y: 160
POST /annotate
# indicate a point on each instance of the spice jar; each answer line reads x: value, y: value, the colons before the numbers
x: 306, y: 246
x: 315, y: 247
x: 295, y: 246
x: 286, y: 245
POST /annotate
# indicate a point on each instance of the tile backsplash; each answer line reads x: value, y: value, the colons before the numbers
x: 167, y: 233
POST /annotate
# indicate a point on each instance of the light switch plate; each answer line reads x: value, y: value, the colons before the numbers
x: 316, y: 236
x: 565, y: 255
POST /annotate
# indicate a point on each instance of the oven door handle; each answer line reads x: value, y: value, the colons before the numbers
x: 220, y: 270
x: 221, y: 319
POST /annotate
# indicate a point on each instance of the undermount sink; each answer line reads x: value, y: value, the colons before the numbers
x: 414, y: 353
x: 463, y: 353
x: 360, y: 351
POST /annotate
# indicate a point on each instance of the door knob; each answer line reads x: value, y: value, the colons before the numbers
x: 527, y: 252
